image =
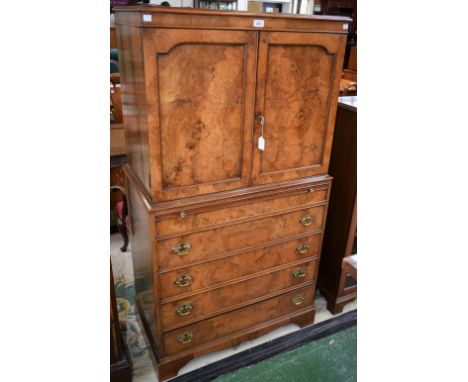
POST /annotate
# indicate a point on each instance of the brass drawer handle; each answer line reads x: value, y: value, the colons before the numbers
x: 182, y: 249
x: 300, y: 273
x: 311, y: 189
x: 297, y: 300
x: 185, y: 338
x: 302, y: 248
x: 183, y: 280
x: 307, y: 220
x: 184, y: 309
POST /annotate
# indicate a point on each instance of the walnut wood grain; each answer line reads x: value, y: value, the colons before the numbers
x: 298, y: 102
x: 228, y: 323
x: 201, y: 140
x: 236, y: 294
x: 185, y: 221
x: 200, y: 87
x: 232, y: 267
x: 220, y: 240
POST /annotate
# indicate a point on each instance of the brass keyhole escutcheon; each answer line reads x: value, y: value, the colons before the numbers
x: 307, y: 220
x: 300, y: 273
x: 182, y: 249
x: 183, y: 280
x: 302, y: 248
x: 185, y: 338
x: 297, y: 300
x: 184, y: 309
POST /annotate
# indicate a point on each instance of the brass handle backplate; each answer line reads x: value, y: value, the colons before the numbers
x: 182, y: 249
x: 307, y: 220
x: 184, y: 309
x: 183, y: 280
x: 300, y: 273
x: 302, y: 248
x: 297, y: 300
x: 185, y: 338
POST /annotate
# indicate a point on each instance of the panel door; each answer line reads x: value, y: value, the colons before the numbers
x: 297, y: 91
x: 200, y: 90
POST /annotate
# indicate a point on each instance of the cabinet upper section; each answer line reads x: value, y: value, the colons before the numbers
x: 153, y: 16
x: 194, y: 90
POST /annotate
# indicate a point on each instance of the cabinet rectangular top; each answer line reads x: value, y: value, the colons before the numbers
x: 194, y: 18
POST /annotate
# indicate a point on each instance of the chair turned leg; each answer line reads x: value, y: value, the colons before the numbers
x: 123, y: 232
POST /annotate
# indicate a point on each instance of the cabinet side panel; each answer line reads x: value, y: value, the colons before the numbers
x: 130, y: 48
x: 142, y: 256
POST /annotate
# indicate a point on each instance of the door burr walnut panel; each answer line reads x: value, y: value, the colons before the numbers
x: 226, y: 238
x: 297, y: 89
x: 200, y: 89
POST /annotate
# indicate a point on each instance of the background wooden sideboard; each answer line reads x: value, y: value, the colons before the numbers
x: 340, y: 238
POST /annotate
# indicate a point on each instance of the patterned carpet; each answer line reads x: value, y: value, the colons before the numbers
x: 132, y: 328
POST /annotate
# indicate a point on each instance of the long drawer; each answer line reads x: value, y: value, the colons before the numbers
x: 200, y: 305
x: 186, y: 221
x: 183, y: 250
x: 228, y: 268
x: 216, y: 327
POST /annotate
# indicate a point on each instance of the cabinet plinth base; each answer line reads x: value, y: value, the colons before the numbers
x: 167, y: 367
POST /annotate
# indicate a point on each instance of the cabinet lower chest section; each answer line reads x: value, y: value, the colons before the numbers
x: 210, y: 274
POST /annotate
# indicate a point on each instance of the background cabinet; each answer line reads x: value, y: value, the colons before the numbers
x: 340, y: 238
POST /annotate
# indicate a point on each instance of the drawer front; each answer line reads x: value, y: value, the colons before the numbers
x: 186, y: 221
x: 203, y: 304
x: 186, y: 249
x: 216, y: 327
x: 228, y: 268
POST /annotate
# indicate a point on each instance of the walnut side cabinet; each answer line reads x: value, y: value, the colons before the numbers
x: 340, y: 235
x: 226, y: 238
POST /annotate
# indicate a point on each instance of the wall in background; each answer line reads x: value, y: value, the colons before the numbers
x: 307, y: 6
x: 175, y: 3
